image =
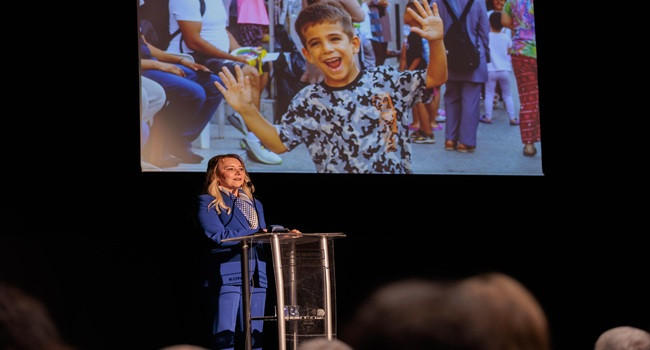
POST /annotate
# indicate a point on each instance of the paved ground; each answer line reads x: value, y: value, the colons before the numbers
x: 498, y: 152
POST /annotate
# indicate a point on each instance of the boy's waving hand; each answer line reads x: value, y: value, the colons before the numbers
x: 431, y: 27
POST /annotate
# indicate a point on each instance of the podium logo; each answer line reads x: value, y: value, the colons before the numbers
x: 304, y: 254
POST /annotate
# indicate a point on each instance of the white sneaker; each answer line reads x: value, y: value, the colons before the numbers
x: 237, y: 121
x: 442, y: 116
x: 146, y: 166
x: 260, y: 153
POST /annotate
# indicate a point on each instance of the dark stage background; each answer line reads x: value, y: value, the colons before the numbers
x: 115, y: 253
x: 128, y: 274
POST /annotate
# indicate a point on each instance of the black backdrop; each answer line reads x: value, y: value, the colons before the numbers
x: 128, y: 273
x: 115, y: 254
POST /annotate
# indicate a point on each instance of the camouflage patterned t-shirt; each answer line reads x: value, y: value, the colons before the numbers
x: 358, y: 128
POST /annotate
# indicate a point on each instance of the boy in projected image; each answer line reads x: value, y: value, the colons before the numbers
x: 353, y: 121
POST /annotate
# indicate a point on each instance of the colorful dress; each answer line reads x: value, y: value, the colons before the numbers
x: 524, y: 65
x: 523, y: 19
x: 252, y: 19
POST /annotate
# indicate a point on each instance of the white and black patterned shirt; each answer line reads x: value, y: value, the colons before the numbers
x: 358, y: 128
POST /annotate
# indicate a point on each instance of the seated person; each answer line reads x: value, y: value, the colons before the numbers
x: 152, y: 100
x: 193, y: 100
x: 204, y: 35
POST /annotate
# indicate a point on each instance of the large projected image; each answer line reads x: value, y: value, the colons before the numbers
x: 381, y: 86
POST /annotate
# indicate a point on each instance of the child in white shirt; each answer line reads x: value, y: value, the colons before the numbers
x: 499, y: 70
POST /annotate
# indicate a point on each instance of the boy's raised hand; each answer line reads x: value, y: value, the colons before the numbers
x: 236, y: 91
x: 431, y: 27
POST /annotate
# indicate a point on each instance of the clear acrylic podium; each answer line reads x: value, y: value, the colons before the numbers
x: 304, y: 282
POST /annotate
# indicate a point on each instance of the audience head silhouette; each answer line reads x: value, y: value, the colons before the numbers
x: 25, y: 322
x: 488, y: 312
x: 623, y: 338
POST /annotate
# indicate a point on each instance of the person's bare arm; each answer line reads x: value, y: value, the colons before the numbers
x: 233, y: 42
x: 237, y: 91
x: 164, y: 56
x: 353, y: 8
x: 506, y: 20
x: 191, y: 31
x: 432, y: 29
x: 402, y: 58
x: 415, y: 63
x: 161, y: 66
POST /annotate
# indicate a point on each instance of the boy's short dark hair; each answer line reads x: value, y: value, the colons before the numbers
x: 495, y: 20
x: 323, y: 12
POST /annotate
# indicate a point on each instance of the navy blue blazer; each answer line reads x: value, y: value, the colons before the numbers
x: 225, y: 259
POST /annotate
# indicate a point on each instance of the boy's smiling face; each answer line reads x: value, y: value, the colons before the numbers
x: 332, y: 51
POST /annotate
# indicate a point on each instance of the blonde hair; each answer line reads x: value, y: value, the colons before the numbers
x: 211, y: 185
